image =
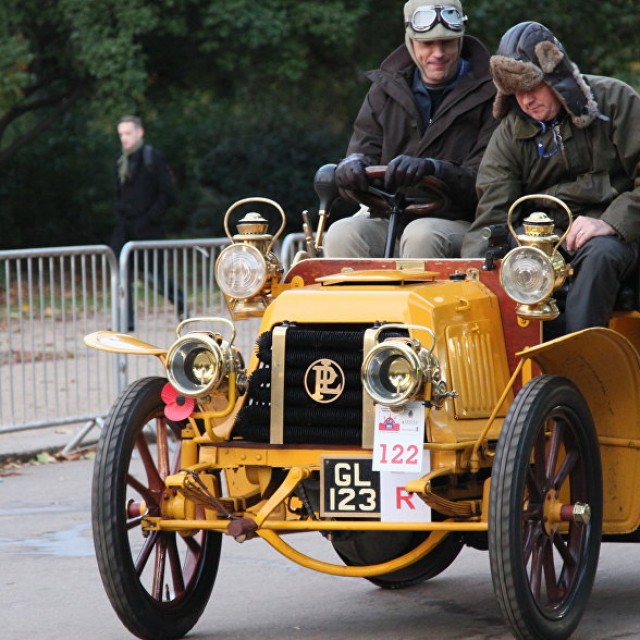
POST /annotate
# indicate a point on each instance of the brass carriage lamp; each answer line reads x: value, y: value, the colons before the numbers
x: 201, y: 363
x: 532, y: 271
x: 400, y: 369
x: 247, y: 270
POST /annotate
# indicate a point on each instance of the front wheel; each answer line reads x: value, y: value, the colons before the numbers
x: 545, y: 511
x: 158, y: 582
x: 374, y: 547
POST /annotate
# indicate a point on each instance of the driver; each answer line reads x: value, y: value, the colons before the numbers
x: 428, y: 112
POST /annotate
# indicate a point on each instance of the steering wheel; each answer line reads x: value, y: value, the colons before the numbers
x: 383, y: 202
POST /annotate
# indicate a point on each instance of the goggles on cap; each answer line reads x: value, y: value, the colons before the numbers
x: 427, y: 17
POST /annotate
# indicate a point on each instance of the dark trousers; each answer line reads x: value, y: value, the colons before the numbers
x: 155, y: 279
x: 126, y: 230
x: 600, y: 266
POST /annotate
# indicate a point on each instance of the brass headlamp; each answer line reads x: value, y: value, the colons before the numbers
x: 200, y: 363
x: 247, y: 271
x: 532, y: 271
x: 396, y: 370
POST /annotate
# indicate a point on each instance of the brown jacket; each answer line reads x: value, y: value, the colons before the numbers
x: 389, y: 123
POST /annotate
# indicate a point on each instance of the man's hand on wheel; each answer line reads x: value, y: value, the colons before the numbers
x: 407, y: 171
x: 350, y: 173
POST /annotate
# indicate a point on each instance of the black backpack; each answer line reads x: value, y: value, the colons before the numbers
x: 148, y: 157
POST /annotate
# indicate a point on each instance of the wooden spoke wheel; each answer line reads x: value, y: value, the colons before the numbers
x: 158, y: 582
x: 545, y: 515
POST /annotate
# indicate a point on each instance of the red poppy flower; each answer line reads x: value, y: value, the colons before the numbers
x: 178, y: 407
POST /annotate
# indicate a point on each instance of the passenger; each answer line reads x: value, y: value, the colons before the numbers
x: 427, y: 113
x: 571, y: 136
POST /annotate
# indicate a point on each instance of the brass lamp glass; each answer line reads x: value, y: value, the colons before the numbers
x: 241, y: 271
x: 527, y: 275
x: 195, y: 365
x: 392, y: 373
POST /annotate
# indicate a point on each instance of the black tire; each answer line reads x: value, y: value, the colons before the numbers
x: 542, y: 576
x: 133, y: 458
x: 373, y: 547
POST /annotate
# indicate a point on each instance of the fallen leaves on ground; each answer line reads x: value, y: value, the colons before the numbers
x: 9, y: 468
x: 12, y: 467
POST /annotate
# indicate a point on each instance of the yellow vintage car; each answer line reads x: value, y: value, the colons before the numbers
x: 400, y: 408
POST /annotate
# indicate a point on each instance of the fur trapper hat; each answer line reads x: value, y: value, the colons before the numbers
x: 530, y: 54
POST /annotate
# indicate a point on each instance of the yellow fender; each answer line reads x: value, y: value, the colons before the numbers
x: 115, y: 342
x: 605, y: 366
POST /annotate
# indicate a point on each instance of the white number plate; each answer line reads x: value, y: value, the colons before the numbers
x: 349, y: 488
x: 398, y: 438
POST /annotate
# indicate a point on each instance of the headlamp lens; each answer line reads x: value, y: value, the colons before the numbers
x: 391, y: 373
x: 241, y: 271
x: 395, y: 374
x: 425, y: 18
x: 195, y: 365
x: 200, y: 366
x: 527, y: 275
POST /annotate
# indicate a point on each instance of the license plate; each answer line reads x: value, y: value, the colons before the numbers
x: 349, y: 488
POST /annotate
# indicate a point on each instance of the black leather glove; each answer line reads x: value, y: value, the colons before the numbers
x: 407, y: 171
x: 350, y: 173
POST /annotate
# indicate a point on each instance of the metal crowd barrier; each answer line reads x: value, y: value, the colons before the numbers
x: 291, y: 244
x: 51, y: 298
x: 163, y: 282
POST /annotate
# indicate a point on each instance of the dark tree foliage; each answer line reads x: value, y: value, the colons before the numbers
x: 245, y: 98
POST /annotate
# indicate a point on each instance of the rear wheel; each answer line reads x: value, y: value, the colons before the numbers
x: 374, y: 547
x: 158, y: 583
x: 545, y: 514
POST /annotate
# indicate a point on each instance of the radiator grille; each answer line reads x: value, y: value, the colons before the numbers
x: 307, y: 421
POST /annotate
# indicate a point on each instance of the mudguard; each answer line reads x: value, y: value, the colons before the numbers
x: 115, y: 342
x: 606, y: 368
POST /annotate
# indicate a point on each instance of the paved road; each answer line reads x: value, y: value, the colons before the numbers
x: 50, y: 588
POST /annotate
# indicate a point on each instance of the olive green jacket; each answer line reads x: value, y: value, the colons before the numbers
x: 596, y: 172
